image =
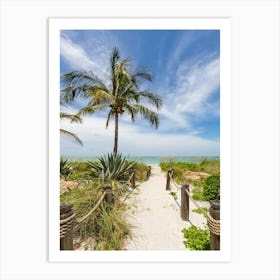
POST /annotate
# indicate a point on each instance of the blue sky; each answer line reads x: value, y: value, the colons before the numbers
x: 186, y: 69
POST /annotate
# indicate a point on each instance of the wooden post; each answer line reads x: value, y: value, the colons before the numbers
x: 214, y: 211
x: 169, y: 173
x: 185, y: 203
x: 148, y: 172
x: 66, y: 226
x: 109, y: 196
x: 133, y: 179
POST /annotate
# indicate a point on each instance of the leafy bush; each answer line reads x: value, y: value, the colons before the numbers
x: 211, y: 188
x: 111, y: 167
x: 196, y: 239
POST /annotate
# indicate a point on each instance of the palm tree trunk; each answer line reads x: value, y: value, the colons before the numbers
x: 116, y: 133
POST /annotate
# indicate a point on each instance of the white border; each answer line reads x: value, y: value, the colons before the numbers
x: 55, y: 25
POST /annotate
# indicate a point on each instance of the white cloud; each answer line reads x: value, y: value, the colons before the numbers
x: 95, y: 59
x: 75, y: 55
x: 132, y: 140
x: 192, y: 95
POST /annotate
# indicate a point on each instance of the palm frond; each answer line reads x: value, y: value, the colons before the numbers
x: 152, y: 98
x: 99, y: 95
x: 110, y: 116
x: 144, y: 73
x: 79, y: 83
x: 132, y: 111
x: 72, y: 118
x: 71, y: 135
x: 88, y: 110
x: 147, y: 114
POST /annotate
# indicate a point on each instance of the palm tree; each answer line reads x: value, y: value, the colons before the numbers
x: 72, y: 118
x: 120, y: 94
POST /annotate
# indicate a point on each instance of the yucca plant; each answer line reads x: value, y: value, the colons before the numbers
x: 65, y: 168
x: 111, y: 167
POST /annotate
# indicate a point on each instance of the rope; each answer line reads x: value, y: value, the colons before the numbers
x: 172, y: 183
x: 67, y: 219
x: 125, y: 198
x: 213, y: 224
x: 92, y: 210
x: 129, y: 180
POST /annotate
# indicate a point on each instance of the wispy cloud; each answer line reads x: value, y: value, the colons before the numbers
x: 79, y: 57
x: 75, y: 55
x: 193, y: 95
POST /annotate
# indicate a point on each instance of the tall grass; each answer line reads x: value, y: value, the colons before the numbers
x: 106, y: 226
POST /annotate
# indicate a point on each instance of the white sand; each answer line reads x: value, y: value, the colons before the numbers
x: 155, y: 216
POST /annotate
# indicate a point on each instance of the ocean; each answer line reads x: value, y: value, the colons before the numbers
x: 152, y: 159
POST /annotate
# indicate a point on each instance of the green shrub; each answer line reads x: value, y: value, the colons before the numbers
x: 196, y: 239
x: 211, y: 188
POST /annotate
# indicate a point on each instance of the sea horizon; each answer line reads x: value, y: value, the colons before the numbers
x: 149, y: 159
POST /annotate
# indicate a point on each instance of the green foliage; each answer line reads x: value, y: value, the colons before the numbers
x: 207, y: 166
x: 197, y: 194
x: 174, y: 194
x: 207, y: 188
x: 80, y: 171
x: 211, y: 188
x: 111, y: 167
x: 204, y: 188
x: 196, y: 239
x: 65, y: 168
x: 141, y: 171
x: 199, y: 211
x: 106, y: 226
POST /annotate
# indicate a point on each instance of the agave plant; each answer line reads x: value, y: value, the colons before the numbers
x: 65, y: 168
x: 111, y: 167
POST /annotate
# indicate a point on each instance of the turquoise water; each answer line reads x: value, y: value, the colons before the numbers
x: 152, y: 159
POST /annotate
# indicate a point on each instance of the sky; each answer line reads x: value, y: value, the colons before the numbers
x: 186, y: 70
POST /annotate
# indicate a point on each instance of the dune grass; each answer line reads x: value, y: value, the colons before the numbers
x: 106, y: 226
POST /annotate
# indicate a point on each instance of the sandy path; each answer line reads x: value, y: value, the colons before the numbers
x: 155, y: 216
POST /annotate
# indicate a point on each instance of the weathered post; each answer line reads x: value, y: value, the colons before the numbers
x: 185, y: 203
x: 109, y: 196
x: 214, y: 224
x: 133, y: 179
x: 148, y: 172
x: 169, y: 174
x: 67, y: 222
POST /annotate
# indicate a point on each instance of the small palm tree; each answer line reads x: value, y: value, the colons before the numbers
x: 121, y: 94
x: 72, y: 118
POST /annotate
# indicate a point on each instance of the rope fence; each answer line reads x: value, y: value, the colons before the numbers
x: 213, y: 216
x: 68, y: 222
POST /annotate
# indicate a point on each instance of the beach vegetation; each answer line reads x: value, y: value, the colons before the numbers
x: 174, y: 194
x: 211, y: 189
x: 206, y: 180
x: 106, y: 227
x: 111, y: 167
x: 121, y: 93
x: 65, y: 168
x: 196, y: 238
